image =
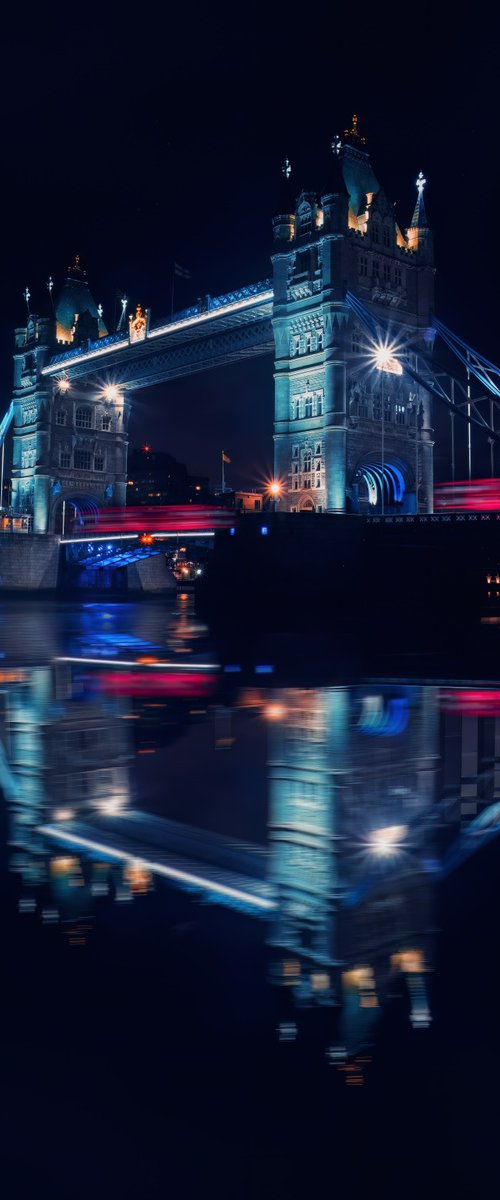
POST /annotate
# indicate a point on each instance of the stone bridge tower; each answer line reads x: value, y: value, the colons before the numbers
x: 349, y: 437
x: 70, y: 440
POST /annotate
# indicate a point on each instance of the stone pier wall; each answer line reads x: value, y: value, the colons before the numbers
x: 29, y: 562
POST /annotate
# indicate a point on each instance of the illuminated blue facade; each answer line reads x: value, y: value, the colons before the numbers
x: 348, y: 768
x: 69, y: 444
x: 348, y: 437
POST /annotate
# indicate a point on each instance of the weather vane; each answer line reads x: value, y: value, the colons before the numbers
x: 124, y: 302
x: 27, y: 295
x: 336, y: 144
x: 100, y: 310
x: 287, y: 168
x: 421, y: 182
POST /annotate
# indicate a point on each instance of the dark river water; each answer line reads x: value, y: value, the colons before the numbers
x: 249, y: 915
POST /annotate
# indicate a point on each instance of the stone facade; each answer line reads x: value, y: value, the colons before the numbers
x: 349, y: 437
x: 70, y: 440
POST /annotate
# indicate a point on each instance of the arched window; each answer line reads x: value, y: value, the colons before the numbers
x: 375, y: 231
x: 305, y: 220
x: 83, y: 418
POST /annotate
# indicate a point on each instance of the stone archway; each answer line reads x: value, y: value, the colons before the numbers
x: 382, y: 487
x: 80, y: 513
x: 307, y: 505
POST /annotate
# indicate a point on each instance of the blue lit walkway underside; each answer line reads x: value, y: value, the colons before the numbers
x: 229, y: 328
x: 92, y: 556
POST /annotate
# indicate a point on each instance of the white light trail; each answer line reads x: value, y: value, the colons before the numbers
x: 134, y: 662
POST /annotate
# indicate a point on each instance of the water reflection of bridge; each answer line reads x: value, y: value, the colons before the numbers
x: 375, y: 791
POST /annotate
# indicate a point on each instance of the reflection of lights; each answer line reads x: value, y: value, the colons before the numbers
x: 63, y: 814
x: 63, y: 864
x: 384, y: 359
x: 275, y: 712
x: 112, y: 807
x: 387, y: 841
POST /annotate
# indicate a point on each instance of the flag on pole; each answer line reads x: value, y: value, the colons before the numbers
x: 225, y: 457
x: 182, y: 272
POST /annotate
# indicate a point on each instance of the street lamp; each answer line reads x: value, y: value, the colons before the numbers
x: 275, y: 490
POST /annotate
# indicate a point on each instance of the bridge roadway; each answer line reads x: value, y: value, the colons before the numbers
x: 212, y: 333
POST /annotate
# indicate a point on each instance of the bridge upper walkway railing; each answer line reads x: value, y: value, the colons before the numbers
x: 208, y: 306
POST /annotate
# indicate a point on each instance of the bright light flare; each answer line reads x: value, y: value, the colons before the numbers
x: 275, y: 488
x: 63, y: 385
x: 384, y: 359
x: 384, y: 842
x: 111, y: 392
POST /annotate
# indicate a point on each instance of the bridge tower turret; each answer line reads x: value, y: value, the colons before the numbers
x: 349, y: 437
x: 70, y: 439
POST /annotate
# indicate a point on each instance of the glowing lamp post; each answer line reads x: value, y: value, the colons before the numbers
x: 275, y: 490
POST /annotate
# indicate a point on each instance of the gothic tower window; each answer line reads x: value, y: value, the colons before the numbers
x: 83, y: 418
x: 397, y: 275
x: 295, y: 345
x: 363, y: 264
x: 65, y: 458
x: 387, y: 235
x: 387, y: 273
x: 308, y: 404
x: 319, y: 339
x: 375, y: 231
x: 83, y: 460
x: 99, y: 462
x: 319, y: 402
x: 305, y: 220
x: 106, y: 424
x: 61, y: 417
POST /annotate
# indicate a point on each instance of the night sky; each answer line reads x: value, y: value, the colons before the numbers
x: 137, y: 141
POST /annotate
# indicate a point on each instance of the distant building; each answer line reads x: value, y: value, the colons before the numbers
x: 155, y: 477
x: 249, y: 501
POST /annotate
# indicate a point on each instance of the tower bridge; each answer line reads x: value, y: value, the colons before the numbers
x: 351, y: 291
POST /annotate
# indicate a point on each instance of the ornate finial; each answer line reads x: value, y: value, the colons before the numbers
x: 353, y: 132
x: 50, y: 285
x: 124, y: 302
x: 336, y: 144
x: 27, y: 295
x: 287, y: 168
x: 421, y: 182
x: 99, y: 311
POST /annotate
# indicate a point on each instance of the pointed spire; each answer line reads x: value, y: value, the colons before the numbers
x: 419, y: 218
x: 286, y: 200
x: 336, y: 182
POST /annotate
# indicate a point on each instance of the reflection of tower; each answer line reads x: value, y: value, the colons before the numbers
x: 63, y: 755
x: 305, y: 727
x: 351, y: 776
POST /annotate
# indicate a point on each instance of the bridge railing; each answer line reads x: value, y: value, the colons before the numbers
x: 209, y: 304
